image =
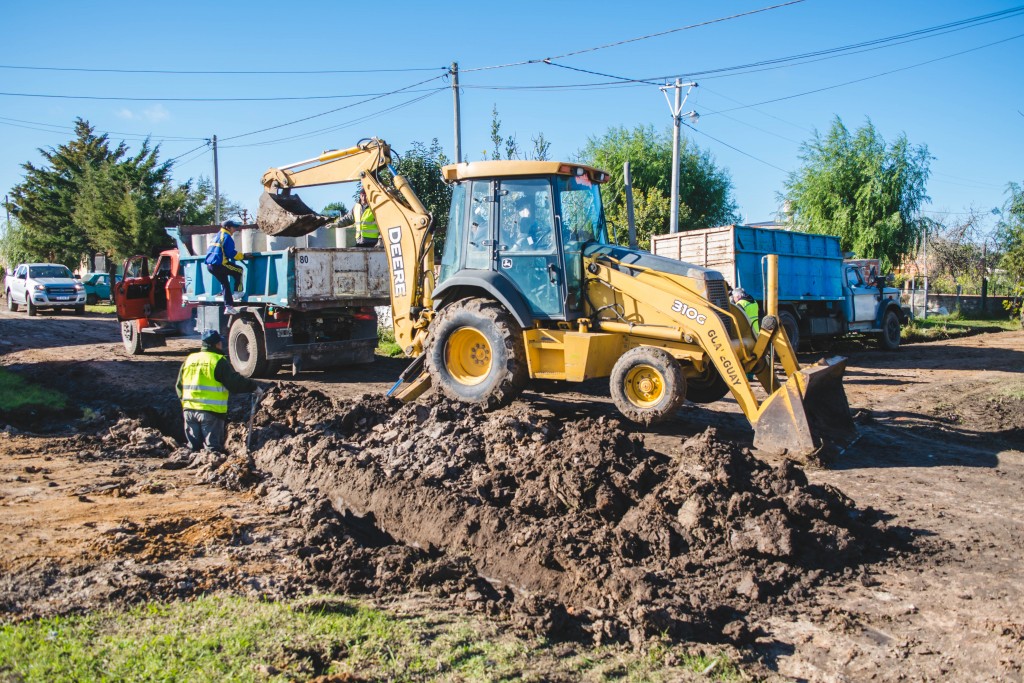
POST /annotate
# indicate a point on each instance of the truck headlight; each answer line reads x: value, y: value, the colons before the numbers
x: 40, y: 288
x: 79, y: 288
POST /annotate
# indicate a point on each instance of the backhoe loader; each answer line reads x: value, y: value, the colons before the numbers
x: 529, y: 287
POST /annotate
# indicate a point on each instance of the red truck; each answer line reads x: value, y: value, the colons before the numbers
x: 152, y: 304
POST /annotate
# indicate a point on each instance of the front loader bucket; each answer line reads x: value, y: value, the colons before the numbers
x: 810, y: 408
x: 286, y: 215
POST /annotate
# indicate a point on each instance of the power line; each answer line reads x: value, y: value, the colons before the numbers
x: 173, y: 159
x: 868, y: 78
x: 632, y: 40
x: 407, y: 88
x: 197, y: 99
x: 736, y: 149
x: 228, y: 73
x: 63, y: 128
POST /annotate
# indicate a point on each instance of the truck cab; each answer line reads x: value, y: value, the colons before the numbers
x: 152, y: 302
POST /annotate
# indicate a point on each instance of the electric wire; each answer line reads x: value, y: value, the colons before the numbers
x: 632, y: 40
x: 121, y: 98
x: 227, y: 73
x: 173, y: 159
x: 62, y: 129
x: 331, y: 111
x: 735, y: 149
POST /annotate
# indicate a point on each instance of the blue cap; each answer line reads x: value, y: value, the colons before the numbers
x: 231, y: 224
x: 211, y: 337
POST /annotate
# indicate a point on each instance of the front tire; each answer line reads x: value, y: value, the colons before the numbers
x: 792, y: 328
x: 475, y: 353
x: 890, y: 337
x: 707, y: 387
x: 647, y: 385
x: 30, y: 307
x: 131, y: 337
x: 246, y: 350
x: 80, y: 310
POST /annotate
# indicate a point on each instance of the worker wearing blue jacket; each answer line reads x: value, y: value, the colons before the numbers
x: 220, y: 261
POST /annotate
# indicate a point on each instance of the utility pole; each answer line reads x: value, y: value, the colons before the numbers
x: 454, y: 71
x: 629, y: 205
x: 216, y: 183
x: 924, y: 314
x: 677, y: 116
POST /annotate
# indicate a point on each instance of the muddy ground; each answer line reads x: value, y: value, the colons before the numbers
x: 898, y: 562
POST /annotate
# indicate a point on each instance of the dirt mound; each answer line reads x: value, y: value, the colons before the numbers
x: 573, y: 524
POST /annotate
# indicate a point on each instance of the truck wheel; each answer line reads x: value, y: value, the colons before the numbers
x: 707, y: 387
x: 792, y: 328
x: 91, y: 299
x: 131, y: 337
x: 475, y: 353
x: 890, y: 337
x: 245, y: 348
x: 11, y: 306
x: 80, y: 310
x: 29, y: 306
x: 647, y: 385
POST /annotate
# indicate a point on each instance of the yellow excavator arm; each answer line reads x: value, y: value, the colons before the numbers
x: 405, y: 224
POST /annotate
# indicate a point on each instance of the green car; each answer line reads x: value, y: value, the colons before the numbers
x: 97, y: 286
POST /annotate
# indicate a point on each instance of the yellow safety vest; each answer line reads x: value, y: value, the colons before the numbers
x: 367, y: 223
x: 750, y: 308
x: 199, y: 389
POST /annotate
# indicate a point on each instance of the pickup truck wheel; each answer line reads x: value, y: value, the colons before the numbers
x: 11, y: 306
x: 29, y: 306
x: 792, y: 328
x: 707, y: 387
x: 890, y: 337
x: 647, y: 385
x: 475, y: 353
x: 80, y: 310
x: 131, y: 337
x: 245, y: 349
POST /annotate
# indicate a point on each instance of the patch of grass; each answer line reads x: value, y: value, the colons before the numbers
x: 16, y: 393
x: 101, y: 308
x: 953, y: 325
x: 386, y: 344
x: 237, y: 639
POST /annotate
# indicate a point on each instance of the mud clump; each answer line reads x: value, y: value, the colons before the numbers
x: 573, y: 529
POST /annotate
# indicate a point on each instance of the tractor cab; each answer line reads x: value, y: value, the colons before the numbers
x: 518, y: 229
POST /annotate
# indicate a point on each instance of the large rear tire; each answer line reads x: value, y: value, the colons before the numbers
x: 246, y: 351
x: 647, y: 385
x: 792, y: 328
x: 11, y: 306
x: 475, y: 353
x: 707, y: 387
x: 890, y: 337
x: 131, y: 337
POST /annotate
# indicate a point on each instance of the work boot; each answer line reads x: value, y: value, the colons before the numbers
x: 231, y: 310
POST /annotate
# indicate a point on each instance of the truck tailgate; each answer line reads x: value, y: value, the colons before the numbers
x: 341, y: 276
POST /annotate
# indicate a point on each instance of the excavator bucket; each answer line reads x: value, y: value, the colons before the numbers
x: 809, y: 409
x: 286, y: 215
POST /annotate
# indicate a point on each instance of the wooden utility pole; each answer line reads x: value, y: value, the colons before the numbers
x: 216, y: 182
x: 458, y: 123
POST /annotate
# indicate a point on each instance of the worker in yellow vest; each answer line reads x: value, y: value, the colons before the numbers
x: 749, y: 306
x: 204, y: 384
x: 361, y: 215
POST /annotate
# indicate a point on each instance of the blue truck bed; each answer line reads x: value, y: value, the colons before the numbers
x: 810, y: 266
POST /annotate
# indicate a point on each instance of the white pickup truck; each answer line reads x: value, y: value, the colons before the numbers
x: 44, y: 285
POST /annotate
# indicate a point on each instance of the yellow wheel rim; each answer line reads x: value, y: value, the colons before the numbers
x: 644, y: 386
x: 468, y: 356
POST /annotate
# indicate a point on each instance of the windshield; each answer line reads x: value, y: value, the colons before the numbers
x: 48, y: 271
x: 581, y: 211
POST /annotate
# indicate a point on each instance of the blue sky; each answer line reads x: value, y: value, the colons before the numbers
x: 965, y: 107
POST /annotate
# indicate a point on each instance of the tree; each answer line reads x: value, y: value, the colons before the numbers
x: 705, y: 191
x: 45, y: 201
x: 1010, y: 233
x: 862, y: 190
x: 421, y: 166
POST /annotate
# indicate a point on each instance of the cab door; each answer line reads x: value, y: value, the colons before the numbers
x: 133, y: 295
x: 527, y: 250
x: 863, y: 297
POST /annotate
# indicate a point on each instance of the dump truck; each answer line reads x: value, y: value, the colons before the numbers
x: 530, y: 288
x: 302, y: 306
x: 821, y: 294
